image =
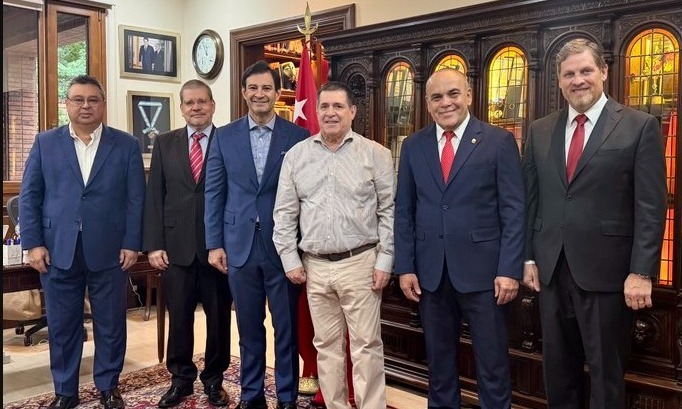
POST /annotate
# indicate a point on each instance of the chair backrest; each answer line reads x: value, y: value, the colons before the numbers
x: 13, y: 209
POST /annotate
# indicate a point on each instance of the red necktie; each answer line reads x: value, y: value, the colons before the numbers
x: 576, y: 147
x: 447, y: 157
x: 196, y: 157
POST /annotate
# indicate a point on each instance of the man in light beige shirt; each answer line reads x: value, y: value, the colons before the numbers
x: 336, y: 192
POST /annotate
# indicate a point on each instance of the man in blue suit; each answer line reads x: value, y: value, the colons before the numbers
x: 81, y: 221
x: 459, y: 235
x: 242, y: 172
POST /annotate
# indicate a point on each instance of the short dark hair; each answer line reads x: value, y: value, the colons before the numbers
x: 87, y: 80
x: 338, y: 86
x: 261, y: 67
x: 194, y: 84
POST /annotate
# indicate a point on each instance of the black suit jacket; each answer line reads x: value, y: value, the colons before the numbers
x: 609, y: 220
x: 174, y: 205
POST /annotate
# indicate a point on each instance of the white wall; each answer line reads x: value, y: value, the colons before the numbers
x: 190, y: 17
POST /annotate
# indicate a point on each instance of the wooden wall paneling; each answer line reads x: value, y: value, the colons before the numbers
x: 539, y: 28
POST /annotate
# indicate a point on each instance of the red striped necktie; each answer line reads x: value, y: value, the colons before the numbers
x: 196, y: 157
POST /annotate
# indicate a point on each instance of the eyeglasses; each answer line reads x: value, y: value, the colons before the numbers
x: 191, y: 102
x: 79, y: 102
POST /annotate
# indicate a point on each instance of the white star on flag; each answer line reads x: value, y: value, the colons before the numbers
x: 298, y: 109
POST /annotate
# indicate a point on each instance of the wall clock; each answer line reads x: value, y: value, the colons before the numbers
x: 208, y: 54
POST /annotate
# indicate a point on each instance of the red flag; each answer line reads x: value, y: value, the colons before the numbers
x: 306, y: 95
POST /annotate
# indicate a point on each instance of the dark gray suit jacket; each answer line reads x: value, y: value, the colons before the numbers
x: 174, y: 205
x: 609, y: 220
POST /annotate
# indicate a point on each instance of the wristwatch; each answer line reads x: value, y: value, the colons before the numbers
x: 644, y: 276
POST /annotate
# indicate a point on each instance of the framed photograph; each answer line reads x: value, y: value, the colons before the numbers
x: 149, y: 114
x: 149, y: 54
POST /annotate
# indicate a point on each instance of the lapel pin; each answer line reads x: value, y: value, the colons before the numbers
x: 473, y: 140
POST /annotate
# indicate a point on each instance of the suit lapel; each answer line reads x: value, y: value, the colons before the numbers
x: 278, y: 145
x: 609, y: 118
x: 469, y: 141
x: 558, y: 147
x: 69, y: 149
x: 429, y: 146
x: 243, y: 148
x: 106, y: 142
x: 180, y: 151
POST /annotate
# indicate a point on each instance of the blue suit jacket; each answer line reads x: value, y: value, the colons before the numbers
x: 54, y: 201
x: 475, y: 221
x: 233, y: 196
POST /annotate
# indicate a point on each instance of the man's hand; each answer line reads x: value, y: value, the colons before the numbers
x: 505, y: 289
x: 409, y: 283
x: 39, y: 258
x: 127, y: 258
x: 218, y: 259
x: 381, y: 279
x: 531, y: 277
x: 296, y: 275
x: 158, y: 259
x: 637, y: 291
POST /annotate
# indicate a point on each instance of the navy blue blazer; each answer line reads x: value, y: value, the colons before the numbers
x: 234, y: 198
x: 475, y: 221
x: 54, y: 201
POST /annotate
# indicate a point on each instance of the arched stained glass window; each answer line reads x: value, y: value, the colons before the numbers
x: 452, y: 61
x: 652, y: 69
x: 399, y: 107
x: 507, y: 90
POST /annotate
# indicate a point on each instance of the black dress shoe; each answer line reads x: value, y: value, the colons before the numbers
x: 174, y: 395
x: 112, y: 399
x: 258, y: 403
x: 217, y: 396
x: 286, y: 405
x: 64, y: 402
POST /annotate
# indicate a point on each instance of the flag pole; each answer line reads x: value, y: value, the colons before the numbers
x: 308, y: 29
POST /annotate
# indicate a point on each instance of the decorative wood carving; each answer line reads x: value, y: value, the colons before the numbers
x: 540, y: 28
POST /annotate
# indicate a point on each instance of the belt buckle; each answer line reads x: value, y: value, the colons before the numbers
x: 337, y: 256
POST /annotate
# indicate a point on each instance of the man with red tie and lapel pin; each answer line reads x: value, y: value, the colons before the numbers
x: 459, y: 234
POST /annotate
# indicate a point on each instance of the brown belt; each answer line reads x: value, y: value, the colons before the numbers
x: 346, y: 254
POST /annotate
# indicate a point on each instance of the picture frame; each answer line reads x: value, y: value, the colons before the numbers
x: 149, y: 114
x: 149, y: 54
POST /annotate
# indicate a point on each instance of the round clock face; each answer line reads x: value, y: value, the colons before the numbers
x: 207, y: 54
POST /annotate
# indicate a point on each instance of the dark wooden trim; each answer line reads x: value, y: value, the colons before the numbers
x: 246, y: 44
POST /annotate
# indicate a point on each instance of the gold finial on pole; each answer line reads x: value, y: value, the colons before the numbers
x: 307, y: 31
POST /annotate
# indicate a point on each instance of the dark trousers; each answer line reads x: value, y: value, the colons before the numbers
x: 579, y: 326
x: 442, y: 313
x: 251, y: 284
x: 64, y: 303
x: 185, y: 287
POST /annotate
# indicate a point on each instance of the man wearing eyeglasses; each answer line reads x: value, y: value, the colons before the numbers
x: 81, y: 208
x: 175, y: 242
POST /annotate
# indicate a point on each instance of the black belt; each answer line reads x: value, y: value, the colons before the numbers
x: 257, y: 225
x: 346, y: 254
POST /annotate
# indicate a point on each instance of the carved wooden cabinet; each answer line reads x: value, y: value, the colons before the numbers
x: 642, y: 41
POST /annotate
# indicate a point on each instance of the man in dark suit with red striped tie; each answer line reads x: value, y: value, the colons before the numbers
x: 175, y: 241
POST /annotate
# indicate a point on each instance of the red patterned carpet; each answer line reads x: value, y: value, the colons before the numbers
x: 143, y: 388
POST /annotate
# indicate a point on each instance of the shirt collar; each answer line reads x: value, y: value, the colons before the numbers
x: 95, y: 135
x: 206, y: 131
x: 592, y: 114
x: 270, y: 125
x: 459, y: 131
